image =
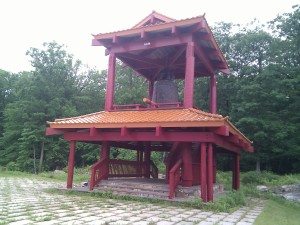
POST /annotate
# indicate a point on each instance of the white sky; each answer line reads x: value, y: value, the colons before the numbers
x: 29, y: 23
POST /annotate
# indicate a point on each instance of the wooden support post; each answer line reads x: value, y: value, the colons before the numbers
x: 71, y: 163
x: 236, y: 172
x: 189, y: 76
x: 150, y: 89
x: 105, y: 150
x: 110, y: 86
x: 209, y: 170
x: 203, y: 172
x: 214, y: 165
x: 187, y: 176
x: 213, y: 94
x: 139, y: 160
x: 147, y: 160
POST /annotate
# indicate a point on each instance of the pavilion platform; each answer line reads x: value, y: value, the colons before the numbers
x: 148, y: 188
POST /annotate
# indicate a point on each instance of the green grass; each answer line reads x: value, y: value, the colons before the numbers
x: 80, y: 174
x: 279, y: 213
x: 227, y: 203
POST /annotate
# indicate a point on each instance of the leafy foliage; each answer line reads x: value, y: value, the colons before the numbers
x: 261, y: 96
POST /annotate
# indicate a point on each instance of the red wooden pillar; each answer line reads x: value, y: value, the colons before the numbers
x: 236, y: 172
x: 210, y: 191
x: 189, y: 76
x: 214, y: 165
x: 105, y: 150
x: 213, y: 94
x: 110, y: 86
x: 71, y: 162
x: 139, y: 159
x: 203, y: 172
x: 150, y: 89
x: 147, y: 158
x: 187, y: 176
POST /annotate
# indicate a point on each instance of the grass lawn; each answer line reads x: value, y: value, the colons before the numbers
x: 279, y: 213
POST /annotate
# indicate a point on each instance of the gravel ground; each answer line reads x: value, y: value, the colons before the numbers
x: 23, y: 201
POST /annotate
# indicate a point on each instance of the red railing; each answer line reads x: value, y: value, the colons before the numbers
x: 125, y: 168
x: 98, y: 172
x: 174, y: 178
x: 153, y: 170
x: 119, y: 168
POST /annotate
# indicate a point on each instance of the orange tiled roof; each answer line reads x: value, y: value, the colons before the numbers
x: 147, y: 118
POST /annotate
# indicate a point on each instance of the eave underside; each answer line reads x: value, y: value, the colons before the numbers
x: 130, y: 137
x: 148, y: 50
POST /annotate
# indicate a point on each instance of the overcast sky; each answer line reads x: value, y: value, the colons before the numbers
x: 29, y: 23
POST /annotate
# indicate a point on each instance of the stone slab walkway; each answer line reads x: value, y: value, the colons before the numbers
x: 23, y: 201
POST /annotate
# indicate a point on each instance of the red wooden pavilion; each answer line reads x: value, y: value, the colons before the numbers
x: 185, y: 49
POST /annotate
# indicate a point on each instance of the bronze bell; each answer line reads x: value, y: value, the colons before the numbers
x: 165, y: 89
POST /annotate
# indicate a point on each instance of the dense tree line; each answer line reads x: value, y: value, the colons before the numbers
x: 261, y: 96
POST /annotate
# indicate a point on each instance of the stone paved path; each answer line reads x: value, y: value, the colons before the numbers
x: 22, y: 201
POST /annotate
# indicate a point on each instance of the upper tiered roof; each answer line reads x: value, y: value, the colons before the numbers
x: 158, y: 41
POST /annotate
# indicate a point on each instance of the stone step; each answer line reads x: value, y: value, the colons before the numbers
x: 134, y: 185
x: 134, y: 192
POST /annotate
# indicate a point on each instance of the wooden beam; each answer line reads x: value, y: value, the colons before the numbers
x: 140, y: 58
x: 142, y: 136
x: 176, y: 56
x: 223, y: 130
x: 151, y: 43
x: 52, y: 131
x: 124, y: 131
x: 93, y: 131
x: 158, y: 131
x: 204, y: 59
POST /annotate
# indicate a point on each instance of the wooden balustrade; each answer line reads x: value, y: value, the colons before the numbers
x: 125, y: 168
x: 119, y: 168
x: 174, y: 178
x: 98, y: 172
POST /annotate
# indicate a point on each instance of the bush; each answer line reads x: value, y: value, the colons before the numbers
x: 256, y: 178
x: 12, y: 166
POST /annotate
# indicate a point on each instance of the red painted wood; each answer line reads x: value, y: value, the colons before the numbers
x: 93, y: 131
x: 147, y: 159
x: 203, y: 179
x: 124, y: 131
x: 105, y: 151
x: 204, y: 59
x: 71, y: 163
x: 150, y: 89
x: 234, y: 139
x: 214, y: 165
x: 189, y: 76
x: 187, y: 175
x: 98, y: 172
x: 53, y: 131
x: 110, y: 86
x: 213, y: 94
x: 210, y: 191
x: 158, y: 131
x: 236, y: 172
x: 151, y: 43
x: 143, y: 136
x: 174, y: 177
x: 174, y: 58
x: 224, y: 143
x: 223, y: 130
